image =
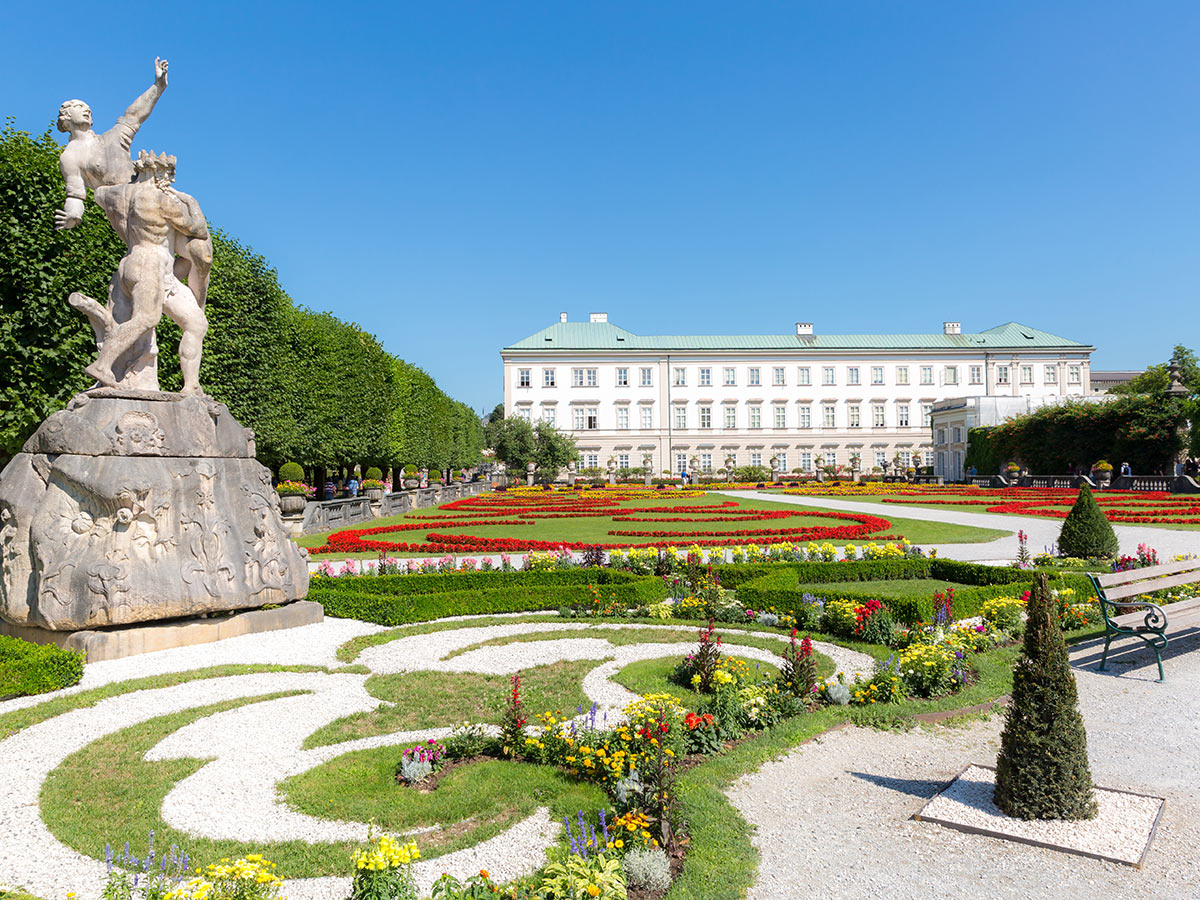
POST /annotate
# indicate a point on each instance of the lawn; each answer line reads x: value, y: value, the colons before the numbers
x: 682, y: 518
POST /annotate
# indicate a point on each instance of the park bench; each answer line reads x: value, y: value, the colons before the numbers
x: 1127, y: 616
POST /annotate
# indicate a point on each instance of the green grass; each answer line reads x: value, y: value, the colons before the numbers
x: 487, y: 796
x: 653, y: 676
x: 433, y: 699
x: 595, y: 530
x: 900, y: 588
x: 623, y: 637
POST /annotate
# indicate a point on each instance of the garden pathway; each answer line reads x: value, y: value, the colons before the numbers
x: 847, y: 799
x: 1042, y: 532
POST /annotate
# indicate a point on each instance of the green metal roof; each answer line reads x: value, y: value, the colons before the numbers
x: 606, y: 336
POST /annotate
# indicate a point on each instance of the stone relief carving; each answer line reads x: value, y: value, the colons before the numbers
x: 137, y: 434
x: 204, y: 533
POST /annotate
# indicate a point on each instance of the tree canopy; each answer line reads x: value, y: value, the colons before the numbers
x: 314, y: 389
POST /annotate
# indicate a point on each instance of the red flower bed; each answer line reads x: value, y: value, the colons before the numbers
x: 1144, y: 507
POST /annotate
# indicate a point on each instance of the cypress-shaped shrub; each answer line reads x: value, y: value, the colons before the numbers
x: 291, y: 471
x: 1042, y: 771
x: 1086, y: 531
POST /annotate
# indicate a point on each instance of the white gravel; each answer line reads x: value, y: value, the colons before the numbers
x: 1120, y: 831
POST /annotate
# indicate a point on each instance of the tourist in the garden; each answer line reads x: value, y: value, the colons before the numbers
x: 1126, y: 470
x: 328, y: 490
x: 352, y: 486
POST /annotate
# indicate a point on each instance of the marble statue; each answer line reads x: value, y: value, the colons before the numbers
x: 136, y: 505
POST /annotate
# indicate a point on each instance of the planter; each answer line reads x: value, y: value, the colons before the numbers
x: 291, y: 504
x: 1103, y: 479
x: 374, y: 494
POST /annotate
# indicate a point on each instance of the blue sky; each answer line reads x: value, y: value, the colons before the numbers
x: 451, y: 175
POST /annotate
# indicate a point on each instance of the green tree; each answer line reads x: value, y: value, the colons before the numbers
x: 514, y: 443
x: 553, y: 450
x: 1042, y: 771
x: 1086, y: 531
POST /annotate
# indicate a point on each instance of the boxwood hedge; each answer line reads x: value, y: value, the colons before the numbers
x: 27, y: 668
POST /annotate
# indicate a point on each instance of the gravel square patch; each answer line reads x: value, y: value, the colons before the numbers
x: 1120, y: 833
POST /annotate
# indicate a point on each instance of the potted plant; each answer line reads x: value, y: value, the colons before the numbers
x: 1012, y: 470
x: 293, y: 495
x: 1102, y: 473
x: 372, y: 484
x: 412, y: 477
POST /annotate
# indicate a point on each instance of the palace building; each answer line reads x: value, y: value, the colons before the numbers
x: 804, y: 399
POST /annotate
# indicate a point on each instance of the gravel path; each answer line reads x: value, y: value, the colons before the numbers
x: 827, y: 807
x: 1042, y: 532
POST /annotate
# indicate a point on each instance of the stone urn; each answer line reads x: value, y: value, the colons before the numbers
x: 1102, y: 477
x: 292, y: 504
x: 375, y: 495
x: 411, y: 484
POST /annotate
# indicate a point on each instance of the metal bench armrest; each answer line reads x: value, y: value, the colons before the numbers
x: 1154, y: 620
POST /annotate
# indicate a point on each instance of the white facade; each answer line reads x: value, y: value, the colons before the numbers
x: 798, y: 398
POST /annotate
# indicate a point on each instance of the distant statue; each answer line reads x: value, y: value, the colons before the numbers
x: 101, y: 162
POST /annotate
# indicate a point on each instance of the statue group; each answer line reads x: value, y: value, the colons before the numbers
x: 134, y: 504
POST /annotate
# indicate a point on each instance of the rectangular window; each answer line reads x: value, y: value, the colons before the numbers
x: 622, y: 417
x: 622, y: 460
x: 1026, y: 374
x: 1001, y: 374
x: 755, y: 415
x: 805, y: 416
x: 592, y: 460
x: 549, y: 415
x: 593, y: 377
x: 622, y: 376
x: 706, y: 417
x: 905, y: 458
x: 548, y: 378
x: 680, y: 462
x: 730, y: 376
x: 828, y: 416
x: 780, y: 416
x: 831, y: 458
x: 1051, y: 374
x: 577, y: 418
x: 752, y: 377
x: 592, y: 421
x: 756, y: 459
x: 951, y: 374
x: 902, y: 415
x: 941, y: 436
x: 806, y: 462
x: 577, y: 378
x: 926, y: 374
x: 706, y: 377
x: 880, y: 458
x: 877, y: 416
x: 524, y: 377
x: 976, y: 375
x: 679, y: 377
x: 706, y: 462
x: 901, y: 374
x: 956, y: 434
x: 854, y: 412
x: 827, y: 375
x: 524, y: 412
x: 876, y: 374
x: 730, y: 416
x: 781, y: 461
x: 1074, y: 375
x: 852, y: 375
x: 926, y: 414
x: 647, y: 377
x: 647, y: 417
x: 681, y: 417
x: 929, y: 457
x: 777, y: 376
x: 803, y: 376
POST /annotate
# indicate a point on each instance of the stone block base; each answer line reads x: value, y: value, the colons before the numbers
x: 116, y: 642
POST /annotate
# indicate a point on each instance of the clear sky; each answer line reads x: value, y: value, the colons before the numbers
x: 453, y: 175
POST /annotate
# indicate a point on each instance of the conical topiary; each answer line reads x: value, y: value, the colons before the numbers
x: 1042, y: 771
x: 1086, y: 531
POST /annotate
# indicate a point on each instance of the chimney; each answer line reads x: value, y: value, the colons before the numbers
x: 599, y: 317
x: 804, y: 328
x: 562, y: 317
x: 952, y: 327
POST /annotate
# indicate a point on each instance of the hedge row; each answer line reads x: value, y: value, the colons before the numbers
x: 405, y: 599
x: 27, y: 668
x: 735, y: 575
x: 780, y: 584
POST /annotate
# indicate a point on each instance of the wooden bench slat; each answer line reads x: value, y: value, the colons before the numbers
x: 1184, y: 614
x: 1145, y: 587
x: 1115, y: 578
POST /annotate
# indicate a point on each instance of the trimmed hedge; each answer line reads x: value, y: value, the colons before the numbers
x: 405, y: 599
x: 734, y: 575
x: 27, y: 668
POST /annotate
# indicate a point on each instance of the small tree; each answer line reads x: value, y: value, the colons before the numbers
x: 1086, y: 531
x: 553, y: 449
x: 514, y: 442
x: 1042, y: 771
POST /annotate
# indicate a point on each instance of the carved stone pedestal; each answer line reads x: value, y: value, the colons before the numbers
x: 136, y: 506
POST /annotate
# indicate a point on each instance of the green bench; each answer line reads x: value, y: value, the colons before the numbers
x: 1127, y: 616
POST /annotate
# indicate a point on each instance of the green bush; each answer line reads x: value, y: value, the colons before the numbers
x: 291, y: 471
x: 1042, y: 771
x: 403, y: 599
x: 373, y: 474
x: 27, y: 668
x: 411, y: 471
x: 1086, y: 531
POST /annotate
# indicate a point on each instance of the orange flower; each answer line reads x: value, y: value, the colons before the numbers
x: 483, y: 873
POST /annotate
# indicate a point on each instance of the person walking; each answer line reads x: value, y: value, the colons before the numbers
x: 328, y: 491
x: 352, y: 486
x: 1126, y: 470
